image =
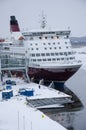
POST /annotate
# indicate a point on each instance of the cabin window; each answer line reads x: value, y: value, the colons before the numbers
x: 69, y: 53
x: 54, y: 47
x: 53, y: 43
x: 36, y: 44
x: 52, y: 54
x: 31, y: 44
x: 50, y: 48
x: 49, y: 43
x: 67, y: 58
x: 34, y: 59
x: 38, y: 54
x: 37, y: 48
x: 39, y: 60
x: 31, y: 38
x: 62, y: 58
x: 45, y: 37
x: 44, y: 44
x: 42, y: 54
x: 53, y: 59
x: 65, y: 42
x: 56, y: 54
x: 58, y: 42
x: 49, y: 59
x: 51, y: 37
x: 61, y: 53
x: 67, y: 47
x: 45, y: 48
x: 67, y: 36
x: 72, y: 58
x: 59, y: 47
x: 44, y: 59
x: 47, y: 54
x: 32, y: 49
x: 33, y: 54
x: 65, y: 53
x: 58, y: 59
x: 40, y: 37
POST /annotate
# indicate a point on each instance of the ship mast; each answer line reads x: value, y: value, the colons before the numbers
x: 43, y: 20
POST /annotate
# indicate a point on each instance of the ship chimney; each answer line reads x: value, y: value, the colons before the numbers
x: 15, y: 30
x: 14, y: 27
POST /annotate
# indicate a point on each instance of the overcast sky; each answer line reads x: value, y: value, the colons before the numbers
x: 60, y: 14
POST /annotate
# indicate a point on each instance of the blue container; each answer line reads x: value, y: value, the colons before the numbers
x: 26, y: 92
x: 8, y: 87
x: 22, y: 92
x: 8, y: 82
x: 7, y: 94
x: 29, y: 92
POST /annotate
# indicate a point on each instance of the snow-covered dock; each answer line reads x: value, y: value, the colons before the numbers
x: 42, y: 96
x: 16, y: 114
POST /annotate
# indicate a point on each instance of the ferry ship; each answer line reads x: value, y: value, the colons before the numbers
x: 49, y: 52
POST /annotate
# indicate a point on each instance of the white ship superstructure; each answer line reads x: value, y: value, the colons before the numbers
x: 51, y: 56
x: 48, y: 52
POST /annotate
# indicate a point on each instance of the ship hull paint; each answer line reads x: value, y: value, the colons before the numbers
x: 52, y: 74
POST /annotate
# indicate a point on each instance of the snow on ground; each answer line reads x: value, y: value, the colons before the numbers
x: 16, y: 115
x: 39, y: 93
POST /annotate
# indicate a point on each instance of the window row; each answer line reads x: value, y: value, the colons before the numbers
x: 45, y: 48
x: 54, y: 43
x: 51, y: 54
x: 53, y: 59
x: 45, y: 37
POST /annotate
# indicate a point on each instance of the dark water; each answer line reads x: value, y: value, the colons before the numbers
x: 74, y: 120
x: 77, y: 84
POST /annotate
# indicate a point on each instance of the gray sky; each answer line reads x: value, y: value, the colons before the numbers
x: 60, y: 14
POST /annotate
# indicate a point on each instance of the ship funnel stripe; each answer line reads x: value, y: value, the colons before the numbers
x: 14, y: 27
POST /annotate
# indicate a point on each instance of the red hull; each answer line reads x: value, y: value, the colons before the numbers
x: 52, y: 75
